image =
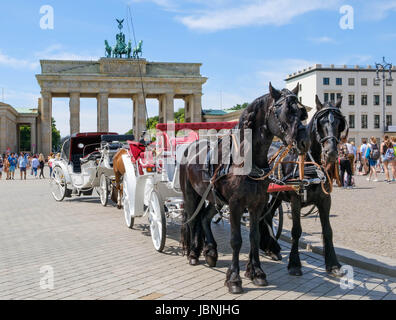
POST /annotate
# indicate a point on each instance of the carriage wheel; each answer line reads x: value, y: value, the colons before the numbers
x: 103, y: 190
x: 129, y: 219
x: 157, y: 221
x: 58, y: 184
x: 277, y: 222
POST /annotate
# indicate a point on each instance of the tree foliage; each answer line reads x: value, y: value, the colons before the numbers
x: 239, y: 106
x: 56, y: 137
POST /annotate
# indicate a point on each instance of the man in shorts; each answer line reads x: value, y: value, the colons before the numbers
x: 22, y: 164
x: 13, y: 163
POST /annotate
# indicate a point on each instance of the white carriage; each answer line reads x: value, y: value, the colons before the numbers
x: 151, y: 184
x: 85, y: 164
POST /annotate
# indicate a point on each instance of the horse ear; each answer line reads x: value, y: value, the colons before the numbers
x: 339, y: 102
x: 296, y: 89
x: 275, y: 94
x: 319, y: 105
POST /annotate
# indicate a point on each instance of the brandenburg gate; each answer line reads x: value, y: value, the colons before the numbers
x: 117, y: 78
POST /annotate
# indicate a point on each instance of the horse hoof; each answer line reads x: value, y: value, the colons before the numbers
x: 194, y: 261
x: 295, y: 271
x: 260, y: 282
x: 336, y: 272
x: 274, y: 256
x: 211, y: 261
x: 234, y: 288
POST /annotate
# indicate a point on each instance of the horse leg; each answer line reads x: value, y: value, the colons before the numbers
x: 269, y: 245
x: 294, y: 266
x: 253, y: 268
x: 333, y: 267
x: 210, y: 248
x: 233, y: 279
x: 119, y: 189
x: 191, y: 233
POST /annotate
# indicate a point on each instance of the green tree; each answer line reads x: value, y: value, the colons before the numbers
x: 56, y: 137
x: 239, y: 106
x: 24, y: 138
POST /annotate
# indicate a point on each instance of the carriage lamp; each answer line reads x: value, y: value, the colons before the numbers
x: 383, y: 67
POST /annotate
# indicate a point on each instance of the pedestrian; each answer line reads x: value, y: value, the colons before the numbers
x: 364, y: 162
x: 1, y: 166
x: 351, y: 156
x: 393, y: 162
x: 35, y: 165
x: 6, y: 167
x: 13, y: 164
x: 345, y: 164
x: 372, y: 155
x: 22, y: 164
x: 41, y: 166
x: 387, y: 156
x: 51, y: 158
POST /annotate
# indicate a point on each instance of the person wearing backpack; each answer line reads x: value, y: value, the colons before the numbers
x: 393, y: 162
x: 372, y: 155
x: 387, y: 155
x: 345, y: 164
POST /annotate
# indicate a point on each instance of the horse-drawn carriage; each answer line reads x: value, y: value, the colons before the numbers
x: 85, y: 164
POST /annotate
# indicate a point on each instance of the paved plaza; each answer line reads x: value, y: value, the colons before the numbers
x: 93, y: 255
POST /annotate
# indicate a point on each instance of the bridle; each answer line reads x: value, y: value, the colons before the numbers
x: 275, y: 107
x: 330, y: 111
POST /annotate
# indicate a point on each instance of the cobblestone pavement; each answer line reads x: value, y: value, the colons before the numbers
x: 95, y: 256
x: 363, y: 218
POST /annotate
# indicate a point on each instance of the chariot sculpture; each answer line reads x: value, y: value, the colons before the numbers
x: 122, y: 49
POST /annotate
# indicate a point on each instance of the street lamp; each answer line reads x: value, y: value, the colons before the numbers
x: 383, y: 67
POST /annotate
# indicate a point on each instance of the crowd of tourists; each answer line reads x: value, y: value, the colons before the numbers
x: 368, y: 160
x: 11, y: 162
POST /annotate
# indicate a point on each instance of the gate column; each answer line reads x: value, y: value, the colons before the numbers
x: 74, y: 106
x: 103, y: 112
x: 45, y: 120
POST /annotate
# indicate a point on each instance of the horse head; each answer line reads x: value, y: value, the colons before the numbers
x: 328, y: 126
x: 285, y: 118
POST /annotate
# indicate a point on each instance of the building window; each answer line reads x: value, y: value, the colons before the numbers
x: 352, y: 121
x: 376, y: 121
x: 388, y: 100
x: 389, y: 82
x: 332, y: 97
x: 363, y: 81
x: 389, y: 120
x: 338, y: 96
x: 326, y: 97
x: 376, y: 99
x: 351, y: 81
x: 326, y: 81
x: 364, y: 121
x: 376, y: 82
x: 339, y: 81
x: 364, y: 100
x: 351, y: 99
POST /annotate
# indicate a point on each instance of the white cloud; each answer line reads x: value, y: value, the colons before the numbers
x: 321, y: 40
x: 16, y: 63
x: 378, y: 10
x: 277, y: 70
x: 267, y: 12
x: 58, y: 52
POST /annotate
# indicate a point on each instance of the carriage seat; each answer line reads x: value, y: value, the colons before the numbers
x: 135, y: 149
x: 76, y: 163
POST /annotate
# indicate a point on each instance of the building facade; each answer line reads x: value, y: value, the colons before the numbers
x: 11, y: 119
x: 362, y: 97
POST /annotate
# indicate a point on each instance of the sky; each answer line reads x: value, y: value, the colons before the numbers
x: 242, y: 44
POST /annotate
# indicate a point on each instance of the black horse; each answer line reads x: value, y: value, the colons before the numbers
x: 274, y: 114
x: 326, y: 128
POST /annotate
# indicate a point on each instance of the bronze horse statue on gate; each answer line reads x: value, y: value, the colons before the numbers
x: 274, y: 114
x: 326, y: 128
